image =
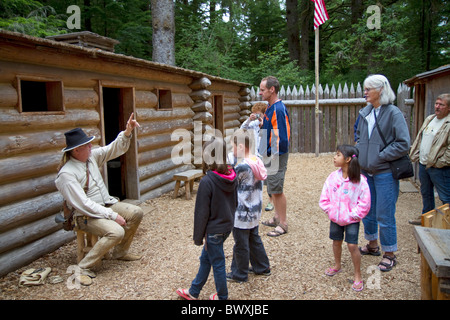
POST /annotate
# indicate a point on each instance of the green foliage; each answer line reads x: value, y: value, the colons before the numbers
x: 276, y: 63
x: 30, y: 17
x: 252, y: 42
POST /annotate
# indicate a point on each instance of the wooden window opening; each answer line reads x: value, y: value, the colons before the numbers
x: 164, y: 98
x: 40, y: 95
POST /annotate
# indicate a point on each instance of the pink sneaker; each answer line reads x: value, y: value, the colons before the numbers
x: 184, y: 293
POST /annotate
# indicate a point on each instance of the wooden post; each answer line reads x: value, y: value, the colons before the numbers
x: 317, y: 90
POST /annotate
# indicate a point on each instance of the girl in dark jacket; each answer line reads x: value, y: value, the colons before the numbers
x: 215, y: 206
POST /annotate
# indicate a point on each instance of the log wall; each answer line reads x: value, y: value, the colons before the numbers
x: 31, y: 142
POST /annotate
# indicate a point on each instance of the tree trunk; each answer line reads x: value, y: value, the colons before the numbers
x: 163, y: 23
x: 357, y: 10
x: 293, y: 33
x: 306, y: 18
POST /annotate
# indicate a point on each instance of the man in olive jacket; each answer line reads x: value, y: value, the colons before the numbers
x: 432, y: 149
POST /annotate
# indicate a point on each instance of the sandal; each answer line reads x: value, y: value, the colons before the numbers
x: 387, y: 265
x: 276, y: 233
x: 184, y: 293
x: 268, y: 223
x: 370, y: 251
x: 331, y: 272
x: 358, y: 286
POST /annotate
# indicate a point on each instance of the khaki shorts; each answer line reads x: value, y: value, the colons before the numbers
x: 276, y: 170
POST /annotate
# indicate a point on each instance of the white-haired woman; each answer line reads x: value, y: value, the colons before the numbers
x: 374, y: 158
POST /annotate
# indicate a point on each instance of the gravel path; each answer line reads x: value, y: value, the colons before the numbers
x: 298, y: 259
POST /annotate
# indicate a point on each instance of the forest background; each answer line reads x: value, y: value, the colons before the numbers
x: 247, y: 40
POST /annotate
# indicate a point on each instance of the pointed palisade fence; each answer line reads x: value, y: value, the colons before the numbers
x: 339, y: 110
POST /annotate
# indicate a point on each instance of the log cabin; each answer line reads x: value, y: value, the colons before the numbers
x: 49, y: 86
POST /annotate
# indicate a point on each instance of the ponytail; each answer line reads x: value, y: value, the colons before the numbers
x: 354, y: 170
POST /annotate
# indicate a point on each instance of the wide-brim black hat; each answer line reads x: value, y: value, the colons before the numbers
x: 76, y: 138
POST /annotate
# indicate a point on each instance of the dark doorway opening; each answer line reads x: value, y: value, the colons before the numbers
x: 113, y: 123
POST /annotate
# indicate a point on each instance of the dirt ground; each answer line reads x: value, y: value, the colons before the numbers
x: 298, y: 259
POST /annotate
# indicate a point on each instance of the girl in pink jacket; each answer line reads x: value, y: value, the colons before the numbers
x: 346, y: 199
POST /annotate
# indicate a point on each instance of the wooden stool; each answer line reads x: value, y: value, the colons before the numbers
x: 435, y: 262
x: 85, y: 242
x: 188, y: 177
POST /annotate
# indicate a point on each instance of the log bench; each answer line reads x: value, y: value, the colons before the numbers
x: 434, y: 247
x: 188, y: 178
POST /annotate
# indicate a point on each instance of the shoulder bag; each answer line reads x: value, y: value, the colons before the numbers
x: 402, y: 167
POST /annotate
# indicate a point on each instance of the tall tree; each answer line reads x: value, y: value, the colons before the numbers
x: 293, y: 32
x: 306, y: 20
x: 163, y: 22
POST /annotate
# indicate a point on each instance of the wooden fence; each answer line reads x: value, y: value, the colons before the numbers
x: 338, y: 113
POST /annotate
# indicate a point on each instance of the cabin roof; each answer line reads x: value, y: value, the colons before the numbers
x: 62, y: 47
x: 425, y: 76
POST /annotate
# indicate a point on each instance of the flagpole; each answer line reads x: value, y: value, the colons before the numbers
x: 316, y: 31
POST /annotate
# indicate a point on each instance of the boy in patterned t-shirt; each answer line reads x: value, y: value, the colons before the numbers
x: 248, y: 246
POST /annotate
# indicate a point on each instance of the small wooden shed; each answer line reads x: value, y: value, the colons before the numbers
x: 48, y: 87
x: 428, y: 86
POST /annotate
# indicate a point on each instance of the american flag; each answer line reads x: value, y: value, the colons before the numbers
x: 320, y: 13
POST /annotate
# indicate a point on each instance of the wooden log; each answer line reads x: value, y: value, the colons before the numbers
x: 244, y: 98
x: 28, y: 142
x: 154, y: 193
x: 29, y: 210
x: 28, y: 233
x: 245, y: 105
x: 245, y: 91
x: 9, y: 96
x: 25, y: 189
x: 201, y: 83
x: 200, y: 95
x: 154, y: 155
x: 29, y: 166
x: 145, y: 100
x: 162, y: 178
x: 151, y: 114
x: 164, y: 126
x: 80, y: 98
x: 155, y: 168
x: 231, y: 124
x: 13, y: 121
x: 231, y: 109
x: 231, y: 116
x: 231, y: 101
x: 15, y: 259
x: 202, y: 106
x: 156, y: 141
x: 204, y: 117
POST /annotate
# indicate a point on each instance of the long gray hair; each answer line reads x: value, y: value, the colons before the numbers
x: 380, y: 83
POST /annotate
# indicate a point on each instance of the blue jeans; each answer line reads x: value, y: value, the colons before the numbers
x: 212, y: 256
x: 248, y: 248
x: 384, y: 190
x: 438, y: 178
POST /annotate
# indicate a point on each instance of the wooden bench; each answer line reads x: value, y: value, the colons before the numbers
x: 188, y: 178
x: 434, y: 247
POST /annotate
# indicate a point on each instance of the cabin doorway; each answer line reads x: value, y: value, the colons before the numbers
x: 120, y: 175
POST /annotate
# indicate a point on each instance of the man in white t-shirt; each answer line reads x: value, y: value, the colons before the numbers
x: 432, y: 149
